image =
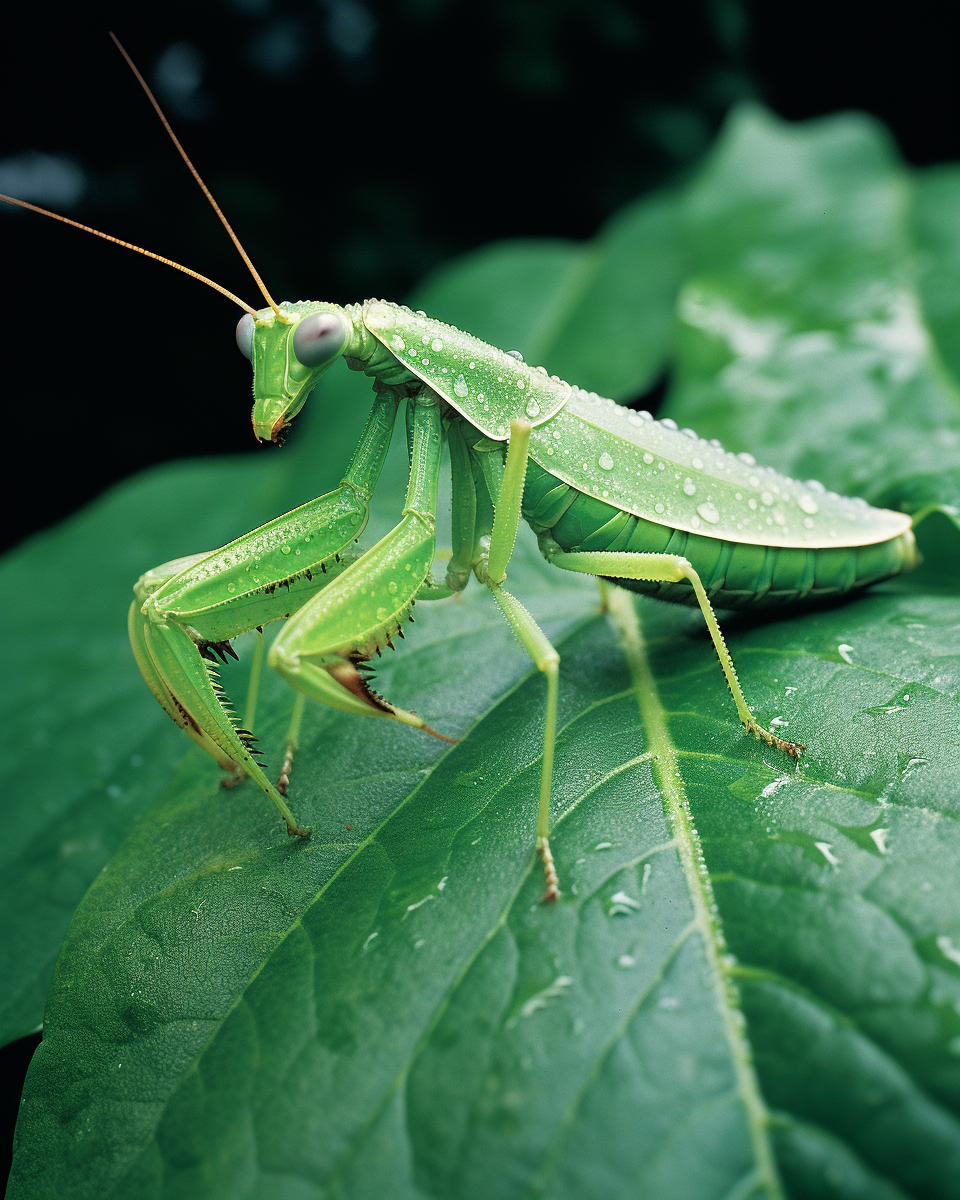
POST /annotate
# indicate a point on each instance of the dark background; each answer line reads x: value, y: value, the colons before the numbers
x: 354, y: 144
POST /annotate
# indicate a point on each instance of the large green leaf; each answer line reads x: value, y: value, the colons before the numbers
x: 751, y: 986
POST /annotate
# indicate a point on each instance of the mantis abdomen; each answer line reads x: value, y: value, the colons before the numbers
x: 734, y: 574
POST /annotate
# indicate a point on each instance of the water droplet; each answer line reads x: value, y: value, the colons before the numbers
x: 634, y: 419
x: 436, y: 345
x: 605, y: 462
x: 709, y: 512
x: 747, y: 458
x: 412, y: 352
x: 697, y: 464
x: 689, y: 487
x: 521, y: 384
x: 691, y: 433
x: 392, y: 587
x: 460, y: 387
x: 766, y: 498
x: 533, y: 408
x: 658, y: 508
x: 516, y: 354
x: 668, y: 423
x: 399, y: 343
x: 382, y: 614
x: 284, y: 549
x: 807, y: 523
x: 808, y: 506
x: 648, y: 458
x: 231, y: 587
x: 815, y: 485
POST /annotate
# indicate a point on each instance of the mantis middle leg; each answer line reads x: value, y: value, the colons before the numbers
x: 493, y: 572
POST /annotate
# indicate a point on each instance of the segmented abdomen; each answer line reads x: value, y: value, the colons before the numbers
x: 735, y: 574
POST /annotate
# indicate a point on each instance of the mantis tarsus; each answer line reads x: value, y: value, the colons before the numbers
x: 609, y: 492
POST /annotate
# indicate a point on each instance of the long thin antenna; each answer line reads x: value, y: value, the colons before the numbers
x: 196, y: 174
x: 130, y: 246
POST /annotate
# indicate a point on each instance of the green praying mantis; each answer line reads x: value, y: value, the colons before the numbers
x: 608, y: 491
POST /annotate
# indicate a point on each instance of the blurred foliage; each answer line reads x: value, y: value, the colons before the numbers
x: 386, y: 1010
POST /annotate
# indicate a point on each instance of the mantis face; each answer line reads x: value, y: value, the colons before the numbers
x: 289, y: 353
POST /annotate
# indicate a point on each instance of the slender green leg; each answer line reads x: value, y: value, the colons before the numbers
x: 253, y: 687
x: 547, y: 660
x: 604, y: 594
x: 324, y: 649
x: 671, y: 568
x: 463, y: 511
x: 293, y: 743
x: 503, y: 537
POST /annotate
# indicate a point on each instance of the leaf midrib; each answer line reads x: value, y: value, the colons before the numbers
x: 665, y: 769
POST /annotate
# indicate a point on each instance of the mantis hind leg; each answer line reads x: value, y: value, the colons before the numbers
x: 671, y: 568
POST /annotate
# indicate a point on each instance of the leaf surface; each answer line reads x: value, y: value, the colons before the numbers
x: 752, y: 984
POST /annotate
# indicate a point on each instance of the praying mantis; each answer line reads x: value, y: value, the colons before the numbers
x: 609, y: 492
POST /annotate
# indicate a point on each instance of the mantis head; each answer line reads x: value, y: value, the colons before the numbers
x: 290, y: 348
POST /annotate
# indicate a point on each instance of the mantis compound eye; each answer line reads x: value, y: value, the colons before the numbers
x: 318, y: 338
x: 245, y: 336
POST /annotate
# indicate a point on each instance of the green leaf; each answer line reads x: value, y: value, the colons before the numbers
x: 935, y: 207
x: 751, y: 986
x: 802, y: 338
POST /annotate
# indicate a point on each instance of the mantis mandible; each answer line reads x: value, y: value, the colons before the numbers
x: 609, y: 492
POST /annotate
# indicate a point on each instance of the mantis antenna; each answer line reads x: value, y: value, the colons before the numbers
x: 196, y: 174
x: 130, y: 246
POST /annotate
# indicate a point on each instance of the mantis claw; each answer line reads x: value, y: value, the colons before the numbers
x: 552, y: 890
x: 794, y: 749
